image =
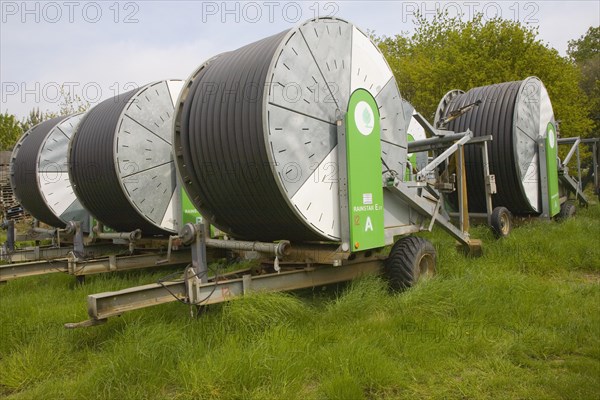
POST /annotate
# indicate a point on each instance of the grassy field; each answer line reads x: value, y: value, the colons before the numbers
x: 523, y: 321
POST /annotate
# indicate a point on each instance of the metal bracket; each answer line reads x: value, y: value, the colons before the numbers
x: 78, y: 246
x: 169, y: 249
x: 541, y: 145
x: 463, y: 203
x: 10, y: 236
x: 343, y: 185
x: 429, y: 128
x: 199, y: 261
x: 570, y: 183
x: 572, y: 150
x: 427, y: 209
x: 425, y: 171
x: 490, y: 181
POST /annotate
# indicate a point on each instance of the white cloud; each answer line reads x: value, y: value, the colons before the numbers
x: 107, y: 69
x: 171, y: 39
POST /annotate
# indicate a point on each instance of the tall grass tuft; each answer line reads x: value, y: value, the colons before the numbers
x: 523, y: 321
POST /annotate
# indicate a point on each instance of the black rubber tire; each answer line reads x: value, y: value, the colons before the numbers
x: 568, y: 209
x: 501, y: 222
x: 410, y: 259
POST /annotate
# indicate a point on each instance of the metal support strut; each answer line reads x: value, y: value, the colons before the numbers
x: 572, y: 184
x: 10, y: 236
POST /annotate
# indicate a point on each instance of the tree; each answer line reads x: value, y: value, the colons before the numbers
x: 69, y: 104
x: 447, y: 53
x: 10, y: 131
x: 586, y: 47
x: 35, y: 117
x: 585, y: 53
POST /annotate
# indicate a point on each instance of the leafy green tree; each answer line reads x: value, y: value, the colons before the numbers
x: 585, y: 53
x: 587, y: 46
x: 447, y: 53
x: 10, y: 131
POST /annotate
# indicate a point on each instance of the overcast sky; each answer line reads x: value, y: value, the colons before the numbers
x: 100, y: 49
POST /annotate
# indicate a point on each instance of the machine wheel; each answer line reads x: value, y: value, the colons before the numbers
x: 410, y: 259
x: 567, y: 210
x: 501, y: 222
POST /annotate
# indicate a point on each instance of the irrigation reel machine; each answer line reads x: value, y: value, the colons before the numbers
x: 300, y: 148
x: 529, y: 180
x: 38, y: 179
x: 111, y: 166
x: 296, y: 146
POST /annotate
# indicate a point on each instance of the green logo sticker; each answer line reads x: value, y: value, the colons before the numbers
x: 364, y: 118
x: 551, y: 135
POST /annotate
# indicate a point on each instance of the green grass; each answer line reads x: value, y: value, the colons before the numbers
x: 523, y: 321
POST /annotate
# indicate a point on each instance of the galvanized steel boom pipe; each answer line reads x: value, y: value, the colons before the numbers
x: 133, y: 235
x: 417, y: 144
x: 280, y: 249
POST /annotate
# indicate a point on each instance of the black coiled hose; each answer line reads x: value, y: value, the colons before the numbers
x: 24, y: 174
x: 495, y: 116
x: 92, y: 168
x: 223, y: 145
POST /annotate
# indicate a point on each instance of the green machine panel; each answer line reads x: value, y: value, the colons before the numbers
x: 188, y: 211
x: 365, y: 190
x: 552, y: 169
x: 94, y: 222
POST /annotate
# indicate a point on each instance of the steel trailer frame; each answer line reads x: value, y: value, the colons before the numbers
x: 76, y: 241
x: 300, y: 266
x: 568, y: 184
x: 99, y: 252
